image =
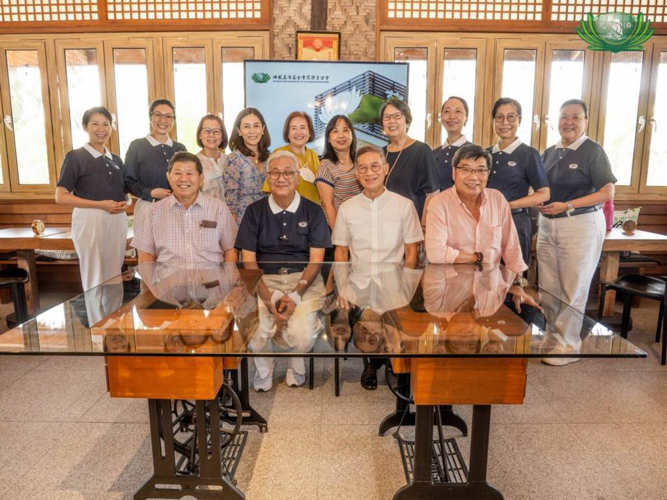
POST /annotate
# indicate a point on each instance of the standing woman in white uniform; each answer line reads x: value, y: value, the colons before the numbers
x: 572, y: 226
x: 92, y: 182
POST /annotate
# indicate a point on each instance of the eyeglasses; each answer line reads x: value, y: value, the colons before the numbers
x: 212, y: 131
x: 481, y: 172
x: 159, y: 116
x: 511, y: 117
x: 375, y: 167
x: 395, y: 116
x: 287, y: 174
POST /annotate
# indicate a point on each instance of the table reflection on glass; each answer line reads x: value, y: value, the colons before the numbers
x: 181, y: 336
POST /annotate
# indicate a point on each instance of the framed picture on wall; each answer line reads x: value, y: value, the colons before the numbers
x: 317, y: 46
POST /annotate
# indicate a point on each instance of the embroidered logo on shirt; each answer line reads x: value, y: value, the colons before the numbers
x: 511, y: 163
x: 573, y: 166
x: 303, y: 224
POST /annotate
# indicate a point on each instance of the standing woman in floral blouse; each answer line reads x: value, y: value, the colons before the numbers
x: 243, y: 174
x: 212, y: 138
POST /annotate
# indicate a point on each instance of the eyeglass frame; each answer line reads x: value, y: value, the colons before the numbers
x: 502, y: 118
x: 158, y: 115
x: 396, y: 116
x: 287, y: 174
x: 212, y: 131
x: 375, y: 167
x: 481, y: 172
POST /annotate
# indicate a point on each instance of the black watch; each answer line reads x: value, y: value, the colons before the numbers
x: 480, y: 258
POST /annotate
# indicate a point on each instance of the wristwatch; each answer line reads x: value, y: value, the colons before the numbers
x: 480, y: 258
x: 570, y: 208
x: 520, y: 281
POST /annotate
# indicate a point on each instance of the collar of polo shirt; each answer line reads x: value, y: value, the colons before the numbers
x: 95, y: 153
x: 509, y: 149
x: 153, y: 142
x: 458, y: 142
x: 574, y: 146
x: 275, y: 208
x: 174, y: 201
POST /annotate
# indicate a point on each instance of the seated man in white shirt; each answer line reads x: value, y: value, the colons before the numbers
x: 376, y: 226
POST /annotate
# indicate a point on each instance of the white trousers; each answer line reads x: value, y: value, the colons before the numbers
x: 141, y: 208
x: 100, y: 239
x: 568, y: 252
x: 303, y: 328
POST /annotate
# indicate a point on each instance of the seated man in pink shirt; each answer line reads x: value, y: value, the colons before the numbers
x: 470, y: 224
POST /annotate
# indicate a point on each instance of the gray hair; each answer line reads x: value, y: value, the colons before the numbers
x: 371, y: 148
x: 283, y: 154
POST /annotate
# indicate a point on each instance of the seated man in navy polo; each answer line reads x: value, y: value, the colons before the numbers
x: 287, y: 235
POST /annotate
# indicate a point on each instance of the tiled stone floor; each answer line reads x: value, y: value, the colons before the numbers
x: 596, y: 429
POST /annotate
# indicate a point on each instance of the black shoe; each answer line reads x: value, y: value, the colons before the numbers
x: 369, y: 378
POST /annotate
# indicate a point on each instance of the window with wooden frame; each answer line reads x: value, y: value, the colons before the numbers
x: 625, y: 93
x: 45, y: 86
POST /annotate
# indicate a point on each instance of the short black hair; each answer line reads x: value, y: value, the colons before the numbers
x: 98, y: 110
x: 576, y: 101
x: 183, y: 157
x: 463, y: 101
x: 402, y: 106
x: 329, y: 151
x: 158, y: 102
x: 471, y: 152
x: 506, y: 100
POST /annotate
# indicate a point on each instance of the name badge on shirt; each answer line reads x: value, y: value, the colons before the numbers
x: 511, y: 163
x: 211, y: 284
x: 303, y: 224
x: 208, y: 224
x: 573, y: 166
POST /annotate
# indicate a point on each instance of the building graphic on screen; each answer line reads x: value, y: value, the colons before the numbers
x: 360, y: 99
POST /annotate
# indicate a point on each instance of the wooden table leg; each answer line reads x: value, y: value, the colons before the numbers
x: 25, y: 259
x: 609, y: 272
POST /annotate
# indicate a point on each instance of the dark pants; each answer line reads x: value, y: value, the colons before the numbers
x: 524, y: 230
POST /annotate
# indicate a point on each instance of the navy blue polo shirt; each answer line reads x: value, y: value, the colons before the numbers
x: 443, y: 159
x: 277, y: 235
x: 146, y: 165
x: 515, y: 170
x: 93, y: 176
x: 574, y: 173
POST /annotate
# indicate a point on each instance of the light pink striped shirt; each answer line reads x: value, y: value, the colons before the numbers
x: 200, y: 233
x: 451, y: 228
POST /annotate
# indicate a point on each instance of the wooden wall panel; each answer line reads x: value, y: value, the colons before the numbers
x: 356, y: 21
x: 289, y: 16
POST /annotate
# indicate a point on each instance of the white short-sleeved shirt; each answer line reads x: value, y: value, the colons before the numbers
x: 377, y: 230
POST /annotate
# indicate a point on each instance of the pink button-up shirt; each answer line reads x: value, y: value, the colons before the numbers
x: 451, y: 228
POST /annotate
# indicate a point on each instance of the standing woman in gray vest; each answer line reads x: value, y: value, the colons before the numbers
x: 91, y: 181
x: 572, y: 226
x: 147, y: 160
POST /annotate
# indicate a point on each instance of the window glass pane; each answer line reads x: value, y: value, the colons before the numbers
x: 567, y: 82
x: 417, y: 58
x: 189, y: 74
x: 657, y: 173
x: 625, y: 77
x: 27, y: 105
x: 519, y: 84
x: 83, y: 89
x: 131, y: 79
x: 458, y: 79
x: 233, y: 94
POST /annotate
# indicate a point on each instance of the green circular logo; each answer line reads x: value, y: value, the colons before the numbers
x: 615, y: 27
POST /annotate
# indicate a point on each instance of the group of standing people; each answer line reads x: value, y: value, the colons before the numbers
x: 374, y: 204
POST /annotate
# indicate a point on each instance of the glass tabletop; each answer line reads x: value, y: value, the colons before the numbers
x: 340, y: 309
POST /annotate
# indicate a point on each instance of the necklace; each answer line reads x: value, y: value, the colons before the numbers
x: 391, y: 168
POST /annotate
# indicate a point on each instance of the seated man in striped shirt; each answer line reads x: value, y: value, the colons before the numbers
x: 188, y: 225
